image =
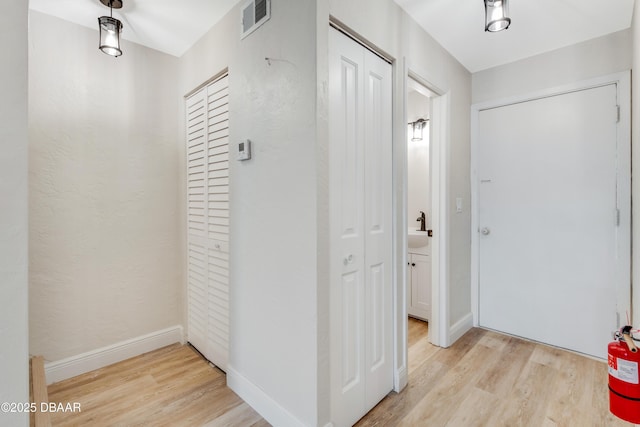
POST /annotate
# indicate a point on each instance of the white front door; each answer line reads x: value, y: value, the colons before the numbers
x: 360, y: 226
x: 550, y: 263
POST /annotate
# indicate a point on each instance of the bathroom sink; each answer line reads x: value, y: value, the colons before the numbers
x: 417, y: 238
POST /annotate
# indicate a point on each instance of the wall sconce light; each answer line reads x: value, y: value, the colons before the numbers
x: 417, y: 129
x: 496, y: 15
x: 110, y: 29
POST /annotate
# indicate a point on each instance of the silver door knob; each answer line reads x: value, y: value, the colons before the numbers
x: 348, y: 259
x: 485, y: 231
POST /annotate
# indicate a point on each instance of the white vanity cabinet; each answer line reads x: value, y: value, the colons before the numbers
x: 419, y: 285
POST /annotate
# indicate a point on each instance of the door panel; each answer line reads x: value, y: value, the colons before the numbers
x: 347, y: 241
x: 351, y: 349
x: 207, y: 118
x: 360, y: 227
x: 420, y: 295
x: 378, y: 240
x: 548, y: 221
x: 376, y: 352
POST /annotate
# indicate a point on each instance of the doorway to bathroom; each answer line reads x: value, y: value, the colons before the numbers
x: 426, y: 130
x: 418, y: 202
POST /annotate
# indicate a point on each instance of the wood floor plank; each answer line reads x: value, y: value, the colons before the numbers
x: 484, y: 379
x: 173, y: 386
x: 499, y: 378
x: 527, y: 404
x: 241, y: 415
x: 437, y: 407
x: 475, y: 410
x: 570, y: 392
x: 416, y: 330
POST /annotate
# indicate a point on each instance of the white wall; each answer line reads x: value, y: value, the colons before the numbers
x: 104, y: 191
x: 14, y: 354
x: 418, y: 184
x: 593, y: 58
x: 273, y: 271
x: 635, y: 159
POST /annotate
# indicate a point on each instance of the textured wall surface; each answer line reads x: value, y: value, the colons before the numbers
x: 273, y: 198
x: 14, y: 355
x: 279, y: 268
x: 104, y: 191
x: 635, y: 160
x: 593, y: 58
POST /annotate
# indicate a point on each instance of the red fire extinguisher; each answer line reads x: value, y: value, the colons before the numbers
x: 624, y: 384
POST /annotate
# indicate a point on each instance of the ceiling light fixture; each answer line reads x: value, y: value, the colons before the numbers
x: 110, y: 29
x: 496, y: 15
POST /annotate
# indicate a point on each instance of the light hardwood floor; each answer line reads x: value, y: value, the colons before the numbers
x: 490, y: 379
x: 485, y: 379
x: 172, y: 386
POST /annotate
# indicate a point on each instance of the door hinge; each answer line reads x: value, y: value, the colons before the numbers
x: 617, y: 114
x: 617, y: 217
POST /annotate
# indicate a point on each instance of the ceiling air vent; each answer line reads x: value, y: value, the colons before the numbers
x: 254, y: 14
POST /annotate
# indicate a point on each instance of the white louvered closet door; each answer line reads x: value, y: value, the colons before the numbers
x: 208, y: 221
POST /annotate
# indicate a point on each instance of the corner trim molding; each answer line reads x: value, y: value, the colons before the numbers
x: 260, y: 401
x: 75, y: 365
x: 459, y: 328
x: 402, y: 379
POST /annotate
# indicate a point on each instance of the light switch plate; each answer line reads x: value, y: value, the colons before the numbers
x: 458, y: 204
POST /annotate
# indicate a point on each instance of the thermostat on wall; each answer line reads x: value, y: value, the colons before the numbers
x: 244, y: 150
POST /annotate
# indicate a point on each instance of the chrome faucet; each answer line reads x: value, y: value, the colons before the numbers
x: 422, y: 220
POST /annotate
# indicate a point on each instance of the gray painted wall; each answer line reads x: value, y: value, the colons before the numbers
x: 593, y: 58
x: 273, y: 269
x: 14, y: 354
x: 635, y: 160
x: 105, y: 264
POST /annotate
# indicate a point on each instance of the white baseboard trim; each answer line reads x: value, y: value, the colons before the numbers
x: 401, y: 379
x: 75, y: 365
x: 458, y: 329
x: 261, y: 402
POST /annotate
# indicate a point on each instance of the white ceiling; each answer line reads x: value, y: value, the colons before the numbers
x: 537, y: 26
x: 171, y: 26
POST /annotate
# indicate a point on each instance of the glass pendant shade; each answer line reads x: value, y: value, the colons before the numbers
x: 110, y: 29
x: 417, y: 130
x: 496, y: 15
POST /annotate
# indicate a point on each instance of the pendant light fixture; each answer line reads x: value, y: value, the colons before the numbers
x: 417, y: 129
x: 110, y: 29
x: 496, y: 15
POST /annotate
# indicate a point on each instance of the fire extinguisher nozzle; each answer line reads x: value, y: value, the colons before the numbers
x: 630, y: 343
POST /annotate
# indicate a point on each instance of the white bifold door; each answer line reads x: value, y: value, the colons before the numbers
x: 553, y: 216
x: 207, y: 138
x: 360, y: 227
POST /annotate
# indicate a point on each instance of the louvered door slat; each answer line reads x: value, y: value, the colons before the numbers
x: 197, y: 290
x: 207, y: 145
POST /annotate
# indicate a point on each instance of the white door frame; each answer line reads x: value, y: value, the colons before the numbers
x: 623, y: 82
x: 439, y: 333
